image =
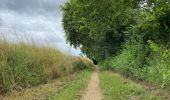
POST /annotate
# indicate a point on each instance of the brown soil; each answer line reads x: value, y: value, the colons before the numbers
x: 93, y: 91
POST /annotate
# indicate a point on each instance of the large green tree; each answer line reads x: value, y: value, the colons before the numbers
x: 97, y: 26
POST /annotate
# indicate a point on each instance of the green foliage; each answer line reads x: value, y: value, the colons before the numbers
x: 130, y: 36
x: 130, y: 60
x: 145, y: 54
x: 158, y: 62
x: 24, y: 65
x: 97, y: 26
x: 107, y: 64
x: 18, y: 65
x: 150, y: 63
x: 154, y: 25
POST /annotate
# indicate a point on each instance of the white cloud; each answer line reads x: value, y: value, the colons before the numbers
x: 40, y: 19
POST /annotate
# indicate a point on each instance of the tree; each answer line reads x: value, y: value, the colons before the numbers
x: 97, y: 26
x: 155, y: 24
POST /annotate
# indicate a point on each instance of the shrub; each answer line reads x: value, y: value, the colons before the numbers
x: 80, y: 63
x: 143, y: 62
x: 158, y: 64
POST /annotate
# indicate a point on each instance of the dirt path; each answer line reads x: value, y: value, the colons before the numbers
x: 93, y: 91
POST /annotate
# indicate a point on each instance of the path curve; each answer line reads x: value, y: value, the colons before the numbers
x: 93, y: 91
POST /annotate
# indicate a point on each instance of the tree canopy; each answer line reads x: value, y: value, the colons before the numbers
x: 100, y: 27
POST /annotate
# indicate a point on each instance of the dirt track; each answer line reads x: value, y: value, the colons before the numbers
x: 93, y: 91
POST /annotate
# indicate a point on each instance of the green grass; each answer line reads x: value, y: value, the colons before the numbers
x: 27, y: 65
x: 72, y: 90
x: 42, y: 91
x: 45, y: 91
x: 115, y: 87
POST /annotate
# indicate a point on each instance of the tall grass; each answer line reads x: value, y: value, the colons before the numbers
x: 24, y: 65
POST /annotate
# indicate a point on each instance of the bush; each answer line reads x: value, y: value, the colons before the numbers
x: 143, y: 62
x: 107, y: 64
x: 80, y: 63
x: 158, y: 64
x: 130, y: 60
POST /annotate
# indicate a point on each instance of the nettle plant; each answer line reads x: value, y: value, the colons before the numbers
x: 159, y: 70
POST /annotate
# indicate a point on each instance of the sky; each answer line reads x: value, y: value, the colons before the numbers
x: 39, y: 20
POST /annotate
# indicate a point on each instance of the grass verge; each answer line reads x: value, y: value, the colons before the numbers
x: 41, y: 92
x: 115, y: 87
x: 72, y: 90
x: 25, y: 66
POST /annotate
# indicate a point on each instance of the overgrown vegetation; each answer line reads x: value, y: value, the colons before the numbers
x: 64, y: 88
x: 130, y: 36
x: 23, y: 65
x: 148, y: 62
x: 116, y: 87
